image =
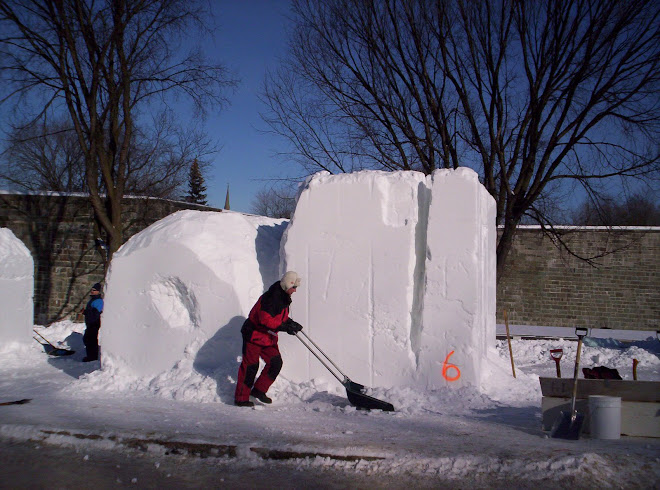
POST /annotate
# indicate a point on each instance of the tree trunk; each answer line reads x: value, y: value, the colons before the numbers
x: 504, y: 246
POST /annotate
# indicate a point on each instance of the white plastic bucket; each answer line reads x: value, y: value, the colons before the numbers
x: 605, y: 417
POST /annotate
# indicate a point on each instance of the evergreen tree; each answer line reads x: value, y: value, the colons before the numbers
x: 196, y: 187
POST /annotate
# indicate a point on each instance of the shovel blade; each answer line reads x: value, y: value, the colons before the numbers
x: 357, y: 398
x: 353, y: 386
x: 51, y: 350
x: 61, y: 352
x: 57, y: 352
x: 568, y: 426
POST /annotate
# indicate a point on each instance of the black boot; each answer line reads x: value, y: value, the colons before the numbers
x: 260, y: 395
x: 244, y: 404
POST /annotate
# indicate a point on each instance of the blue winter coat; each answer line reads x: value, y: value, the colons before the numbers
x: 93, y: 311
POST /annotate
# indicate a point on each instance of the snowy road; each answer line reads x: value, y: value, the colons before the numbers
x: 485, y: 448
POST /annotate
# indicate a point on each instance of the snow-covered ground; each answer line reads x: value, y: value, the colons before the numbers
x: 490, y: 438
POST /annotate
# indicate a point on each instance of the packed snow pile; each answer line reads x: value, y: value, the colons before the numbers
x: 398, y: 284
x: 186, y: 383
x: 16, y: 288
x: 182, y: 288
x: 398, y: 277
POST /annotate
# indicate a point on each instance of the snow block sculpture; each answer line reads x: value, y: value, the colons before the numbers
x: 460, y: 281
x: 16, y: 288
x: 175, y: 284
x: 353, y: 239
x: 398, y: 277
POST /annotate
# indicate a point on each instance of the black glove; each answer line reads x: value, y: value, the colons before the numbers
x: 292, y: 327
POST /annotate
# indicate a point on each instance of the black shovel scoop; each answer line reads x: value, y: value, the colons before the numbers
x: 569, y: 424
x: 354, y: 391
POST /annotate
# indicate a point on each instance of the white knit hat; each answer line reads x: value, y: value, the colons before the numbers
x: 289, y: 280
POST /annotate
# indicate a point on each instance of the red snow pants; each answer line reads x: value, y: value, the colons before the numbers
x: 250, y: 365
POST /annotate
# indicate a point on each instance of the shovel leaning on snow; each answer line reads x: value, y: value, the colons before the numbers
x: 354, y: 391
x: 50, y: 349
x: 569, y: 424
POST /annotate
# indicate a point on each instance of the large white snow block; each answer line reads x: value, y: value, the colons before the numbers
x: 398, y: 271
x: 175, y: 284
x: 354, y: 240
x: 459, y: 298
x: 16, y: 288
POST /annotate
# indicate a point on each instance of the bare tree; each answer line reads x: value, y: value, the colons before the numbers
x: 275, y: 202
x: 636, y: 210
x: 107, y: 63
x: 46, y: 156
x: 160, y: 157
x: 538, y: 97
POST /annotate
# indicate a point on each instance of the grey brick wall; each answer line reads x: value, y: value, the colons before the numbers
x: 59, y: 230
x: 546, y: 285
x: 543, y: 284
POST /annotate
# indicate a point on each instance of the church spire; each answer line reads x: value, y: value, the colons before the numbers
x: 227, y: 199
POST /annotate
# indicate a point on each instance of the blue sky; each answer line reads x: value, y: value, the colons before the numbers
x: 250, y: 38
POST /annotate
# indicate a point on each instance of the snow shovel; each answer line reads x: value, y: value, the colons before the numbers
x: 555, y: 354
x: 50, y: 349
x: 354, y: 391
x: 569, y: 424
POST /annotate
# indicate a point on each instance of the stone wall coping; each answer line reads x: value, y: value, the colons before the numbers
x: 588, y: 228
x: 84, y: 195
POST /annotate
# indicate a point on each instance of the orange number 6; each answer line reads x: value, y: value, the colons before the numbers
x: 446, y: 366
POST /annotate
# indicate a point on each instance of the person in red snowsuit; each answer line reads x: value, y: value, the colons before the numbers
x: 268, y: 316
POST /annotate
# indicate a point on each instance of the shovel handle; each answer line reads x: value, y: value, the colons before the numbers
x: 44, y: 338
x: 324, y: 354
x: 580, y: 332
x: 556, y: 355
x: 343, y: 382
x: 508, y: 339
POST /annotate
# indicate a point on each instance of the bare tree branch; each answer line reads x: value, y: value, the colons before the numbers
x: 103, y: 62
x: 529, y: 94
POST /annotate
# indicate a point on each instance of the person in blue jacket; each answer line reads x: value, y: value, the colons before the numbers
x: 92, y: 314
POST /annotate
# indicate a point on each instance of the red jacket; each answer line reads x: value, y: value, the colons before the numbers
x: 267, y: 316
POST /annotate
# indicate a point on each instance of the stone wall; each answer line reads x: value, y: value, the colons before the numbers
x: 543, y: 285
x: 546, y: 285
x: 60, y: 232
